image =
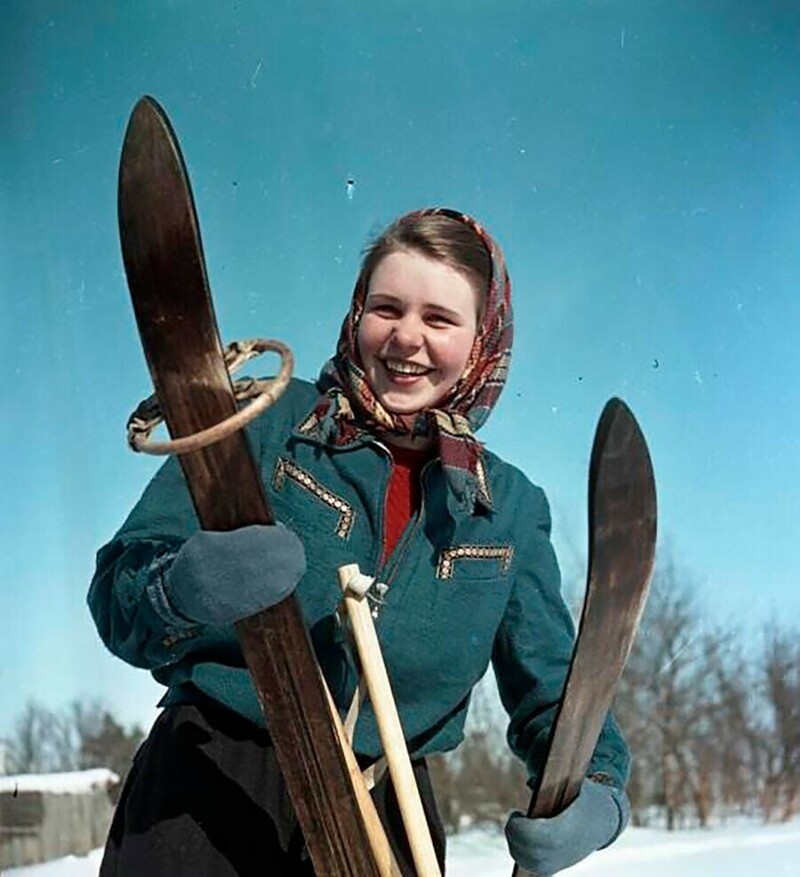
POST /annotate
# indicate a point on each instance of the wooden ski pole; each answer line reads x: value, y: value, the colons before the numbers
x: 381, y: 848
x: 389, y: 727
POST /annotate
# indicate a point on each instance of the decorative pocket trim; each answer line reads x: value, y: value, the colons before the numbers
x: 449, y: 556
x: 286, y: 469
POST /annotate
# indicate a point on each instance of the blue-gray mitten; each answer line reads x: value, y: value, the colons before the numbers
x: 222, y: 577
x: 592, y: 821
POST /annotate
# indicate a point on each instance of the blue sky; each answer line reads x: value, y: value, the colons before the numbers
x: 636, y: 160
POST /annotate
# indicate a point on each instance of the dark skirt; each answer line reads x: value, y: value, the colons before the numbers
x: 205, y: 798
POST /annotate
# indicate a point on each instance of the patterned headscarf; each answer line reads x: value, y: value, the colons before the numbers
x: 349, y: 407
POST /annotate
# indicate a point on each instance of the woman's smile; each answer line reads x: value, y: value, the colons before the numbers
x: 404, y: 372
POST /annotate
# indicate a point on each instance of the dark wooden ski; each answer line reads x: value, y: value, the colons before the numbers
x: 167, y: 278
x: 622, y: 538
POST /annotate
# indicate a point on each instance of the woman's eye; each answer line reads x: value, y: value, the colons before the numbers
x: 381, y: 308
x: 440, y: 320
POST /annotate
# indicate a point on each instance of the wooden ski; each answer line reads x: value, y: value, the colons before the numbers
x: 166, y: 274
x: 622, y: 539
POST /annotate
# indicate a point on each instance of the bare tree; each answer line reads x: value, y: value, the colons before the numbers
x: 665, y: 704
x: 85, y: 734
x: 481, y: 782
x: 781, y: 691
x: 738, y: 725
x: 109, y: 744
x: 32, y: 747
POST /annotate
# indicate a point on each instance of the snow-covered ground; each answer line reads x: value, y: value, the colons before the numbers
x: 67, y: 783
x: 733, y: 851
x: 68, y: 867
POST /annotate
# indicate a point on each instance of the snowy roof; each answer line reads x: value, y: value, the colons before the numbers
x: 73, y: 782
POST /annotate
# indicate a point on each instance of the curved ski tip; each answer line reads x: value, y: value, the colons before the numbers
x: 620, y: 456
x: 617, y: 427
x: 615, y: 412
x: 614, y: 406
x: 148, y: 106
x: 149, y: 124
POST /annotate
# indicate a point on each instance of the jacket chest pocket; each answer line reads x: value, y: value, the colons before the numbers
x: 456, y: 616
x: 474, y: 561
x: 288, y: 475
x: 472, y: 584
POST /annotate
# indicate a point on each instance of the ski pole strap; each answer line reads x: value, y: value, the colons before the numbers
x: 375, y: 772
x: 262, y: 391
x: 360, y: 696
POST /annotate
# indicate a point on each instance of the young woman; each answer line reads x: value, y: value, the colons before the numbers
x: 375, y: 464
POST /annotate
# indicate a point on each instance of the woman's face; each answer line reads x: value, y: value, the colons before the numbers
x: 417, y: 330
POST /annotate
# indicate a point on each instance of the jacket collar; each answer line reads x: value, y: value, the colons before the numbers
x: 310, y: 429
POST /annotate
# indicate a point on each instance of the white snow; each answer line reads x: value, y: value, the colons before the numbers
x: 740, y: 850
x: 70, y: 866
x: 72, y: 782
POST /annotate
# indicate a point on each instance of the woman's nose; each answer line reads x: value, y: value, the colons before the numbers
x: 407, y: 333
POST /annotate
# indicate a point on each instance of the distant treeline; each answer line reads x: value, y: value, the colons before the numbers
x: 712, y: 716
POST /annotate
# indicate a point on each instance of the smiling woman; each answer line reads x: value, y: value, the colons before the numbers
x: 638, y: 162
x: 376, y: 464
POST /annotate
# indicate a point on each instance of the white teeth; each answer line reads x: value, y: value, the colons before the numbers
x: 405, y: 368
